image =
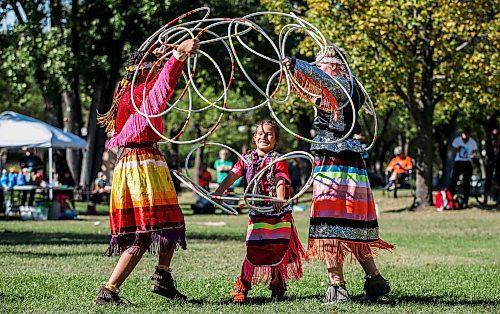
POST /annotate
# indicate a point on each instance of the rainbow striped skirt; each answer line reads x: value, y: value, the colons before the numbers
x: 144, y: 211
x: 343, y: 217
x: 274, y: 252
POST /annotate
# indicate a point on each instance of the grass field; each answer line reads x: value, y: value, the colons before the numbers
x: 445, y: 262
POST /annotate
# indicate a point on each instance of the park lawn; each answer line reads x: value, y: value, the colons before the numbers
x: 445, y: 262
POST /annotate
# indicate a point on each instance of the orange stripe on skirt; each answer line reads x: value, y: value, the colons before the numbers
x: 144, y: 209
x: 343, y: 217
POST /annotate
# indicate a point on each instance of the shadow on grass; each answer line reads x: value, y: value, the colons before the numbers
x: 31, y: 254
x: 398, y: 299
x: 45, y: 238
x: 10, y: 298
x: 261, y: 300
x: 194, y: 235
x: 291, y: 298
x: 56, y: 238
x: 400, y: 210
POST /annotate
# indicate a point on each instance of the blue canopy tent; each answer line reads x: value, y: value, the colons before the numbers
x: 18, y: 130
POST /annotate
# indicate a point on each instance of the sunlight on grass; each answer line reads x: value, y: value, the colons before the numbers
x: 443, y: 263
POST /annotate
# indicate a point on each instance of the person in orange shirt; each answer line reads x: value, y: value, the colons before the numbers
x: 398, y: 168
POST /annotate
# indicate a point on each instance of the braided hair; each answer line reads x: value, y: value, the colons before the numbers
x: 133, y: 61
x: 107, y: 120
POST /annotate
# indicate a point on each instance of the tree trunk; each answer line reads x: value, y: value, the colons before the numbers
x: 96, y: 136
x: 198, y: 160
x: 101, y: 101
x: 71, y: 99
x: 174, y: 147
x: 425, y: 159
x: 449, y: 157
x: 55, y: 14
x: 423, y: 112
x: 53, y: 112
x: 377, y: 155
x: 73, y: 124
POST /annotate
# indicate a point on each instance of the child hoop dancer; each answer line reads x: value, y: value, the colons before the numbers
x: 343, y: 217
x: 144, y: 211
x: 274, y: 251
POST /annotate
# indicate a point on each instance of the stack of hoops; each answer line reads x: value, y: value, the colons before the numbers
x: 179, y: 29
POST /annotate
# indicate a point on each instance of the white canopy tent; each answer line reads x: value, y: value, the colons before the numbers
x: 17, y: 130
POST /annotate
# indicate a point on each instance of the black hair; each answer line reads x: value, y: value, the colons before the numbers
x: 134, y: 59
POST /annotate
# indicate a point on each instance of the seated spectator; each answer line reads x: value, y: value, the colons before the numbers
x: 204, y: 177
x: 202, y: 206
x: 66, y: 179
x: 21, y: 177
x: 64, y: 192
x: 4, y: 183
x: 100, y: 182
x: 30, y: 160
x: 4, y: 180
x: 12, y: 177
x: 37, y: 177
x: 398, y: 168
x: 101, y: 188
x: 24, y: 178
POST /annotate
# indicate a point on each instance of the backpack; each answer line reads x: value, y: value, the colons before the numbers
x: 444, y: 200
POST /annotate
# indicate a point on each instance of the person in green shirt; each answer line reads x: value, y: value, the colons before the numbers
x: 222, y: 165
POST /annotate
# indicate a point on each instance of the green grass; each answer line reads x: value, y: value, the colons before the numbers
x: 444, y: 263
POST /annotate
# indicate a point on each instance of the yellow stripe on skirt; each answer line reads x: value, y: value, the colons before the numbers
x: 144, y: 209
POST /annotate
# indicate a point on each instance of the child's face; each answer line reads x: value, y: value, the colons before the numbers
x: 265, y: 138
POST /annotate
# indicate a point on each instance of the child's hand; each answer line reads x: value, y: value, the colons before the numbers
x: 216, y: 199
x: 278, y: 205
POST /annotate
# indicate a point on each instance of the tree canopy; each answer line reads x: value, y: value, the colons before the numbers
x: 429, y: 57
x: 425, y: 63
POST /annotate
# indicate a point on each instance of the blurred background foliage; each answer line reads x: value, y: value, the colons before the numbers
x: 430, y: 66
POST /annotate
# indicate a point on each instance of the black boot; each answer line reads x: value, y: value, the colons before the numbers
x: 277, y: 296
x: 374, y: 288
x: 163, y: 284
x: 106, y: 296
x: 278, y: 289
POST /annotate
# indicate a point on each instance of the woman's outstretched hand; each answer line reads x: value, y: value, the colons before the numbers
x: 189, y: 47
x: 287, y: 62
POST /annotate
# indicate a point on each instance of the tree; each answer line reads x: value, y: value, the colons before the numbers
x: 71, y: 54
x: 38, y: 56
x: 415, y: 51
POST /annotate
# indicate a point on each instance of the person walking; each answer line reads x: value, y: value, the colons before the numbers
x: 465, y: 149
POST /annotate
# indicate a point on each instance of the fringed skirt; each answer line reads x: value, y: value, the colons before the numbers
x: 274, y: 252
x: 144, y: 211
x: 343, y: 217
